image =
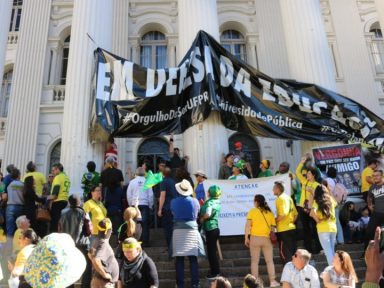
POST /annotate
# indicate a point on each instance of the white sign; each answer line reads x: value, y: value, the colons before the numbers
x: 237, y: 199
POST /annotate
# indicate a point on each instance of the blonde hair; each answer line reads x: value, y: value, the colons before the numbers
x: 129, y: 215
x: 346, y: 264
x: 131, y: 242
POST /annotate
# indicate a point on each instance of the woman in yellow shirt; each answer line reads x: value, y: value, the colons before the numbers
x: 260, y: 222
x: 323, y: 212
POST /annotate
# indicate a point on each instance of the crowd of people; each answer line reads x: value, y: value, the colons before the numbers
x: 109, y: 225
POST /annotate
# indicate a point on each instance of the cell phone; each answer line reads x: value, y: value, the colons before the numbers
x: 382, y: 239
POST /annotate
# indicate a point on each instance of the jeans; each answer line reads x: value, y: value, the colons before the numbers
x: 11, y: 213
x: 339, y: 235
x: 310, y: 232
x: 328, y: 242
x: 193, y: 266
x: 56, y: 209
x: 214, y: 264
x: 287, y: 244
x: 145, y: 215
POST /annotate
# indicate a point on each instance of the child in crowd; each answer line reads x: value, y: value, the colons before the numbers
x: 363, y: 223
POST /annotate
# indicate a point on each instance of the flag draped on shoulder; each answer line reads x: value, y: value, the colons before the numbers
x: 134, y: 101
x: 152, y: 179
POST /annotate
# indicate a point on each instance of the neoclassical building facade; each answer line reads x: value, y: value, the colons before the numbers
x: 46, y: 59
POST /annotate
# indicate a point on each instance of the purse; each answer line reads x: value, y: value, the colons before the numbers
x: 272, y: 234
x: 42, y: 214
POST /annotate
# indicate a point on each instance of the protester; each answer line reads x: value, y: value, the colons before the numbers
x: 363, y: 224
x: 295, y: 186
x: 132, y: 226
x: 182, y: 173
x: 286, y: 216
x: 74, y: 222
x: 264, y: 169
x: 251, y: 281
x: 237, y: 171
x: 375, y: 205
x: 111, y: 151
x: 138, y: 269
x: 260, y: 223
x: 221, y: 282
x: 225, y: 170
x: 143, y: 199
x: 167, y: 193
x: 96, y: 210
x: 59, y: 194
x: 239, y: 155
x: 308, y: 186
x: 367, y: 177
x: 30, y: 200
x: 38, y: 177
x: 27, y: 241
x: 23, y: 224
x: 8, y: 178
x: 323, y: 212
x: 176, y: 161
x: 341, y: 273
x: 299, y: 273
x: 90, y: 179
x: 15, y: 202
x: 347, y: 216
x: 374, y: 259
x: 331, y: 185
x: 104, y: 263
x: 199, y: 191
x: 111, y: 180
x: 54, y: 263
x: 186, y: 239
x: 209, y: 217
x: 309, y: 164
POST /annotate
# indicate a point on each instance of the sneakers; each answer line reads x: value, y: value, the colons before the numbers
x: 274, y: 284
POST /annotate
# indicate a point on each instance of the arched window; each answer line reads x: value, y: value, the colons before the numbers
x: 16, y: 16
x: 234, y: 42
x: 5, y: 93
x: 377, y: 47
x: 64, y: 61
x: 153, y: 50
x: 250, y: 149
x: 54, y: 157
x: 152, y: 151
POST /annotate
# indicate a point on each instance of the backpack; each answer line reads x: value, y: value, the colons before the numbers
x: 340, y: 193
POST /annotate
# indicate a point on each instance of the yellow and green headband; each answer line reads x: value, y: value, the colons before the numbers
x: 131, y: 245
x: 108, y: 226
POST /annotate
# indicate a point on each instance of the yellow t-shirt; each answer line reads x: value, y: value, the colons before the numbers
x: 63, y: 181
x: 368, y: 171
x: 259, y: 226
x: 21, y: 259
x: 15, y: 242
x: 285, y: 207
x: 96, y: 211
x: 307, y: 188
x: 39, y: 181
x: 326, y: 224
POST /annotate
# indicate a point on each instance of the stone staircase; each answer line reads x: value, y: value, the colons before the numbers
x: 236, y: 261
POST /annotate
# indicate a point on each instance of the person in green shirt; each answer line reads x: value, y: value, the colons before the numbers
x: 210, y: 223
x: 264, y: 169
x: 90, y: 179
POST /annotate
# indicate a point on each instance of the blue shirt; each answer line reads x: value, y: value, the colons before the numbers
x: 168, y: 185
x: 200, y: 193
x: 184, y: 208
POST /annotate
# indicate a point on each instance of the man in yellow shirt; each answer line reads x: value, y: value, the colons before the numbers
x: 59, y: 194
x: 286, y: 216
x: 367, y: 177
x: 308, y: 187
x: 38, y: 178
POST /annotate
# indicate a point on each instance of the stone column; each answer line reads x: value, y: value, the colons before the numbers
x: 172, y: 43
x: 5, y: 18
x: 28, y: 73
x: 380, y: 13
x: 203, y: 143
x: 309, y: 57
x: 354, y: 55
x: 95, y: 18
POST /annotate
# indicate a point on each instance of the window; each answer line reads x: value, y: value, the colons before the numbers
x: 153, y: 50
x: 234, y: 42
x: 15, y: 16
x: 5, y: 93
x: 152, y: 151
x: 377, y: 48
x: 64, y: 61
x: 55, y: 155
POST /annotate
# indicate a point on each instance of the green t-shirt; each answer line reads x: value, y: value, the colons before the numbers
x: 212, y: 207
x: 266, y: 173
x: 89, y: 180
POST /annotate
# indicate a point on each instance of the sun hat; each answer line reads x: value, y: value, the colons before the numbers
x: 214, y: 191
x: 55, y: 262
x: 240, y: 164
x: 201, y: 173
x: 184, y: 188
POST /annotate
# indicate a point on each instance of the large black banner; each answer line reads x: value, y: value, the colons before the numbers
x: 133, y: 101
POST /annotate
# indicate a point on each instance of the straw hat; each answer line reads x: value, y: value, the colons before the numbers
x: 184, y: 188
x: 201, y: 173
